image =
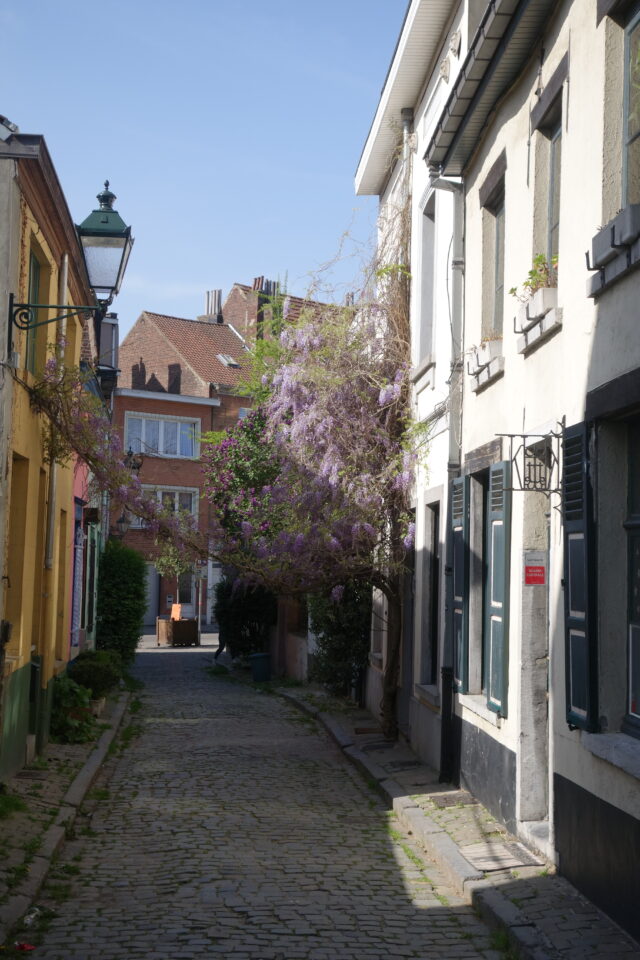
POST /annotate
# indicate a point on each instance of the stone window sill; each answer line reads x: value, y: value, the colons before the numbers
x: 476, y: 703
x: 618, y: 749
x: 540, y: 331
x: 423, y: 374
x: 482, y: 377
x: 428, y: 694
x: 615, y: 250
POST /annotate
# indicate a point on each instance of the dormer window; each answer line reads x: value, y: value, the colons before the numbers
x: 227, y: 360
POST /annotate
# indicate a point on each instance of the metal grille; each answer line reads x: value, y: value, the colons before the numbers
x: 534, y: 458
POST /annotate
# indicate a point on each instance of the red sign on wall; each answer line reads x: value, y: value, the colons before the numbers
x: 534, y: 573
x: 534, y: 567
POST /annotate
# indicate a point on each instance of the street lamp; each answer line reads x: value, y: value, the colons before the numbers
x: 106, y: 244
x: 133, y: 461
x: 122, y: 524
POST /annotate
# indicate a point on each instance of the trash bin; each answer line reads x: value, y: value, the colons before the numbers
x: 183, y: 633
x: 260, y: 667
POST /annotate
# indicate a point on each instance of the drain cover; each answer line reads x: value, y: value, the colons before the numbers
x: 491, y: 855
x: 403, y: 764
x: 377, y: 745
x: 453, y: 798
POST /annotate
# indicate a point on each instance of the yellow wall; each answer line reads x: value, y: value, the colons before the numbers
x: 37, y: 598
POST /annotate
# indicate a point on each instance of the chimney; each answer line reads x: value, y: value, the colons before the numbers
x: 213, y: 307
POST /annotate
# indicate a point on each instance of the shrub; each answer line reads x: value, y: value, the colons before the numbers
x: 71, y: 718
x: 342, y: 629
x: 97, y: 670
x: 122, y: 599
x: 245, y: 616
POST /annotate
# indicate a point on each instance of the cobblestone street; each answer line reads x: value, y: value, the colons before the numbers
x: 230, y: 825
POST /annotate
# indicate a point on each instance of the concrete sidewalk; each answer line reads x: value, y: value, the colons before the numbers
x: 48, y: 797
x: 514, y: 888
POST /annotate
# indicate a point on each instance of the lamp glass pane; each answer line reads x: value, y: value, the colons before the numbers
x: 103, y: 257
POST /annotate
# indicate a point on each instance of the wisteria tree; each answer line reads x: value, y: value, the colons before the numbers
x: 312, y: 490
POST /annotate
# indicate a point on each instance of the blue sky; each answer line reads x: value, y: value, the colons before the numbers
x: 230, y: 130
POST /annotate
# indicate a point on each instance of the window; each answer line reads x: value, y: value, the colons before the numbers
x: 181, y: 500
x: 631, y: 159
x: 632, y: 527
x: 33, y: 297
x: 185, y: 588
x: 546, y: 120
x: 498, y: 280
x: 427, y: 272
x: 553, y: 216
x: 493, y: 249
x: 166, y: 437
x: 430, y: 595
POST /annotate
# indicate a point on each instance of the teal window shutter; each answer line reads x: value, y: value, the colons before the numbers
x: 498, y: 547
x: 579, y: 585
x: 460, y: 576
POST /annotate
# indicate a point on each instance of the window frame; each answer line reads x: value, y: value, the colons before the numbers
x: 553, y: 190
x: 137, y: 523
x: 33, y: 296
x: 499, y: 249
x: 426, y: 289
x: 633, y: 24
x: 492, y: 199
x: 161, y: 419
x: 631, y: 721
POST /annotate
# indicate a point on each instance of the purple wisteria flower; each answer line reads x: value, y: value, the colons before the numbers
x: 410, y: 536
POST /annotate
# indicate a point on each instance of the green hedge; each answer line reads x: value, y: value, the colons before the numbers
x: 122, y: 599
x: 98, y: 670
x: 343, y: 634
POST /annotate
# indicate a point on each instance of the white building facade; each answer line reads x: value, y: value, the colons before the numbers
x: 526, y: 130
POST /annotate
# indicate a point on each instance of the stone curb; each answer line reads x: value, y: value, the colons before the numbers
x: 53, y: 838
x: 525, y: 938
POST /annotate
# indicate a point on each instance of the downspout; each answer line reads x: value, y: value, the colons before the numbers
x: 61, y: 332
x: 449, y: 761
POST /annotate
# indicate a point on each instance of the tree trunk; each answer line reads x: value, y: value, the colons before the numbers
x: 388, y: 704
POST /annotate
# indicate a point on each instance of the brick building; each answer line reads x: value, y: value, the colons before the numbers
x: 178, y: 380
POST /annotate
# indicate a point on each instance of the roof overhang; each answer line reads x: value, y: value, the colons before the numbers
x: 502, y: 46
x: 43, y: 192
x: 419, y: 40
x: 167, y: 397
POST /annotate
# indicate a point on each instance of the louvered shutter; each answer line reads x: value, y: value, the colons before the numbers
x: 460, y: 578
x: 579, y: 586
x: 498, y: 544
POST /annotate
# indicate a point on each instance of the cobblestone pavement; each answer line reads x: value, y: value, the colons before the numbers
x: 231, y: 826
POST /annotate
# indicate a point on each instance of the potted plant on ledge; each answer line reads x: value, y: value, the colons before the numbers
x: 539, y: 294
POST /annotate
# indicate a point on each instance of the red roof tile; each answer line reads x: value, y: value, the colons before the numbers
x: 200, y: 342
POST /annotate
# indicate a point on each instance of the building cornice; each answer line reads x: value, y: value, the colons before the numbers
x: 504, y: 43
x: 170, y: 397
x: 420, y: 39
x: 43, y: 193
